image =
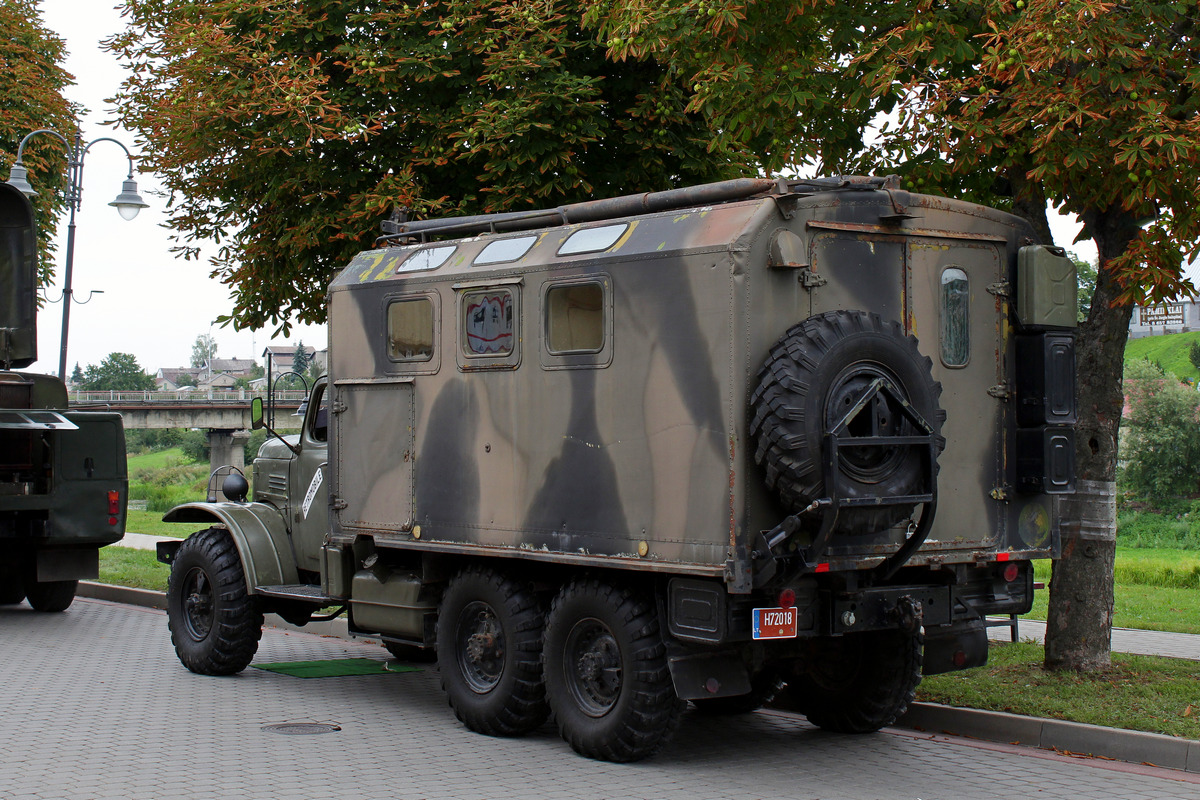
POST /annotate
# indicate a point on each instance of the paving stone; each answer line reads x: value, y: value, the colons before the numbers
x: 91, y: 716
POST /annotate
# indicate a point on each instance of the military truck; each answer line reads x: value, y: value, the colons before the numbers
x: 63, y: 481
x: 689, y: 446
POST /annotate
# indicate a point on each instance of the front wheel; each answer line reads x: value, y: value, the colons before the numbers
x: 51, y: 596
x: 215, y: 623
x: 607, y: 677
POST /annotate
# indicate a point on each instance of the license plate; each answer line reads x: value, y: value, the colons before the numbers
x: 774, y: 623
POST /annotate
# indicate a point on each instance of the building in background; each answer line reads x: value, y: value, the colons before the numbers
x: 278, y: 360
x: 218, y: 373
x: 1175, y: 316
x: 173, y: 379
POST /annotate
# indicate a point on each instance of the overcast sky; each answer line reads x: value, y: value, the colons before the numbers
x: 154, y: 305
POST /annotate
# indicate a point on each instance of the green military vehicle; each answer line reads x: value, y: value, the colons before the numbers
x: 689, y: 446
x: 63, y: 482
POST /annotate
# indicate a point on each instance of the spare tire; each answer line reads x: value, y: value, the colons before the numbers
x: 812, y: 378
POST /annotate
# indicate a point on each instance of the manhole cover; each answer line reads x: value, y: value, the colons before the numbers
x: 302, y: 728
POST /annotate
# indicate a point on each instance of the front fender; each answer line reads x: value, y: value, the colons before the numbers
x: 260, y: 533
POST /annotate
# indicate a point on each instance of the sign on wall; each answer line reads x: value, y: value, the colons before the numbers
x: 1161, y: 316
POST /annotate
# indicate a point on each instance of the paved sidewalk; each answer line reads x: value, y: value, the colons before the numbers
x: 1124, y: 640
x: 140, y: 541
x: 98, y: 707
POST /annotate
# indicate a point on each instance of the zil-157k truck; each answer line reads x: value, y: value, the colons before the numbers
x: 688, y: 446
x: 63, y: 483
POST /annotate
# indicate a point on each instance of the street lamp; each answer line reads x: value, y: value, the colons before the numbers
x: 128, y: 203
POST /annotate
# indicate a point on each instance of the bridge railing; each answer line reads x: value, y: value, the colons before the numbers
x: 206, y: 396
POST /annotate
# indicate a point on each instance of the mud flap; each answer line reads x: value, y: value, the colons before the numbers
x: 960, y: 645
x: 701, y: 676
x: 67, y: 564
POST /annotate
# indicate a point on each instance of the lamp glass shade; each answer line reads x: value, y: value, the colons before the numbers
x: 129, y: 202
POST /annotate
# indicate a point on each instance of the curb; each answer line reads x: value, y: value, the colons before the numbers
x: 122, y: 594
x: 1136, y: 747
x: 990, y: 726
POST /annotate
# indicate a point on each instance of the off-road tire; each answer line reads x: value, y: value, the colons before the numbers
x: 858, y: 683
x: 764, y: 685
x: 810, y: 379
x: 51, y: 596
x: 607, y: 677
x: 215, y: 623
x: 489, y: 644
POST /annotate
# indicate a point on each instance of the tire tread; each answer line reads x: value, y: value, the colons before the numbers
x: 237, y: 626
x: 653, y: 712
x: 524, y: 707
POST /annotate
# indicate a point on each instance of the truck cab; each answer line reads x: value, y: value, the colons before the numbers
x: 289, y: 475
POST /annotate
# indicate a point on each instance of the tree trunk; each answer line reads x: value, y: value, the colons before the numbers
x: 1079, y: 622
x: 1029, y: 201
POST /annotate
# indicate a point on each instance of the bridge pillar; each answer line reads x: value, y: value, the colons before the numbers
x: 227, y: 447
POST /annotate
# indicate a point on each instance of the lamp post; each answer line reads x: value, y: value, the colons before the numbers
x: 128, y: 203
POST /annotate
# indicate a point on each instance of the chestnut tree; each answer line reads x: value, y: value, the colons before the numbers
x: 1090, y: 105
x: 31, y: 97
x: 286, y: 132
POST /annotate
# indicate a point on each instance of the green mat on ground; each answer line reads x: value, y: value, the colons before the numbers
x: 335, y: 668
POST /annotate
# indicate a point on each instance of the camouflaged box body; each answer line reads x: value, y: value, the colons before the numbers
x: 585, y: 397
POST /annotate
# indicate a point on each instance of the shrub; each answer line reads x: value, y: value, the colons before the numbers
x: 1151, y: 529
x: 148, y: 440
x: 1161, y: 448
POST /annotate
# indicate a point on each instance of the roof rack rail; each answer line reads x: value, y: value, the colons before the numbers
x: 587, y: 211
x: 624, y: 206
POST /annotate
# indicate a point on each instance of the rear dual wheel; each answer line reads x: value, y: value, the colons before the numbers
x: 860, y: 682
x: 489, y: 639
x: 607, y: 677
x: 20, y: 582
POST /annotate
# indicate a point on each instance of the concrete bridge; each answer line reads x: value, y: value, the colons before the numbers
x: 225, y: 414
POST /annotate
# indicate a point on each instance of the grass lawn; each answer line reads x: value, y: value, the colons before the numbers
x: 1156, y: 590
x: 1171, y: 351
x: 160, y: 459
x: 124, y: 566
x: 1151, y: 608
x: 151, y: 524
x: 1145, y: 693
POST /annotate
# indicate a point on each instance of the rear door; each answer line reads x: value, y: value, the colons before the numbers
x: 958, y: 311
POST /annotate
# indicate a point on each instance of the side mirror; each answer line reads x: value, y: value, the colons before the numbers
x: 256, y: 413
